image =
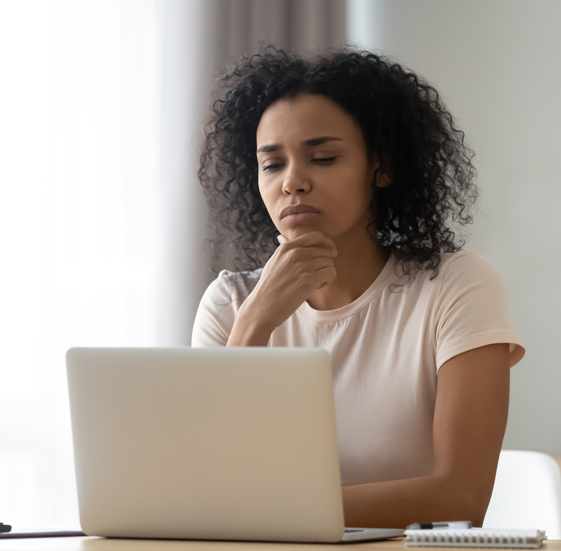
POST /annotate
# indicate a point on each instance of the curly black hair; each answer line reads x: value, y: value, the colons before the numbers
x: 404, y: 121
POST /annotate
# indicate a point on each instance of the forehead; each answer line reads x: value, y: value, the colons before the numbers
x: 304, y: 117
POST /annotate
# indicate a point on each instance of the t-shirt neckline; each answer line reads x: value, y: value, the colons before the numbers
x: 345, y: 311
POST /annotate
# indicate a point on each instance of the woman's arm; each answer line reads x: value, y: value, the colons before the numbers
x: 469, y: 424
x: 249, y: 329
x: 294, y: 271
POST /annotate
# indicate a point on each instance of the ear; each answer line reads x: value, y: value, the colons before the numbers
x: 383, y: 179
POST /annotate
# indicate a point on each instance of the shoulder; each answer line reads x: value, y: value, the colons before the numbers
x: 219, y: 305
x: 457, y: 271
x: 232, y: 286
x: 466, y: 259
x: 464, y: 269
x: 227, y: 292
x: 466, y: 282
x: 471, y: 308
x: 470, y: 291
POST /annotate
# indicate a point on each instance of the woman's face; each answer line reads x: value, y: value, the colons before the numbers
x: 311, y: 152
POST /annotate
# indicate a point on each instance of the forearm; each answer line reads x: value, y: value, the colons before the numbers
x: 469, y: 424
x: 397, y: 503
x: 249, y: 329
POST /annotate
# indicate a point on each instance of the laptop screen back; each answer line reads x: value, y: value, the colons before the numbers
x: 206, y: 443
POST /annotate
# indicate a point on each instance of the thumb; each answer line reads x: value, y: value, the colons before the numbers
x: 282, y: 239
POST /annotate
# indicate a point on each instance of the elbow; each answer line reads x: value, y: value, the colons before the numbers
x: 466, y: 507
x: 476, y: 513
x: 477, y: 500
x: 477, y: 507
x: 470, y: 500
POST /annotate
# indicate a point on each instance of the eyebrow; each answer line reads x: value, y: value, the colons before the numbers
x: 306, y: 143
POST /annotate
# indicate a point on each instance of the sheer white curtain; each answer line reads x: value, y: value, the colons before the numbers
x: 78, y: 223
x: 102, y: 222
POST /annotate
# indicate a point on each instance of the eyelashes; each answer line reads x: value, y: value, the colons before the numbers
x: 324, y: 161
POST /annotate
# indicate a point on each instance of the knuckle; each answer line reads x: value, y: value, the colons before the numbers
x: 297, y: 254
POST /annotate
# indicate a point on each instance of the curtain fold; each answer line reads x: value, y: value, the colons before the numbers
x: 285, y: 23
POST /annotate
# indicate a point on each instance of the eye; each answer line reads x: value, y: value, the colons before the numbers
x: 324, y: 160
x: 271, y: 167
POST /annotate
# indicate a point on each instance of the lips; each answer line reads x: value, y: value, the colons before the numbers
x: 297, y: 209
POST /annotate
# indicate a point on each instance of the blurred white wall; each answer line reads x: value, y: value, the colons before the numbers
x: 497, y: 64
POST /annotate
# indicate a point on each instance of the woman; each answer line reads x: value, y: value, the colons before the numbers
x: 358, y: 168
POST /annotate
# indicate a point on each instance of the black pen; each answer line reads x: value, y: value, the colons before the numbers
x: 459, y: 524
x: 5, y: 527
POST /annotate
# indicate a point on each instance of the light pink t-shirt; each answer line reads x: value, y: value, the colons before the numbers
x: 386, y: 349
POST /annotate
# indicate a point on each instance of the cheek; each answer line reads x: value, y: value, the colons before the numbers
x: 267, y: 198
x: 352, y: 192
x: 262, y: 190
x: 351, y: 184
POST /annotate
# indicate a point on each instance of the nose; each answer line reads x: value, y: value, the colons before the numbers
x: 295, y: 181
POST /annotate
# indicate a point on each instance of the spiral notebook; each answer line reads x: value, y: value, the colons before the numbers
x: 476, y: 537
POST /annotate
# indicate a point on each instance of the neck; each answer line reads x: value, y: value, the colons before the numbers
x: 358, y: 263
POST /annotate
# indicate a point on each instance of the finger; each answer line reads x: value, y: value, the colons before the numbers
x: 321, y: 262
x: 315, y: 238
x: 314, y: 252
x: 304, y: 254
x: 325, y: 277
x: 282, y: 239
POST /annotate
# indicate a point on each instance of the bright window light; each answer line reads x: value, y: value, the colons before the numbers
x: 78, y: 220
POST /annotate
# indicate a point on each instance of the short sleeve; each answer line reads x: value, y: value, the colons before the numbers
x: 472, y: 309
x: 215, y: 316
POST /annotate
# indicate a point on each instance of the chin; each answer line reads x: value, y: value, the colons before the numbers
x: 298, y: 232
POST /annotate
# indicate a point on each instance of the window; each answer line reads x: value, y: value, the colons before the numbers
x: 78, y: 223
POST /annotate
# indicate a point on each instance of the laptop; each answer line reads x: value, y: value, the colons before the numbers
x: 208, y: 444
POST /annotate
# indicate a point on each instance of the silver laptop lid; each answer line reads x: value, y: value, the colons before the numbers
x: 215, y: 443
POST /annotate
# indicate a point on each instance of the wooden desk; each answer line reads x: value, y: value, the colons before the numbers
x: 101, y: 544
